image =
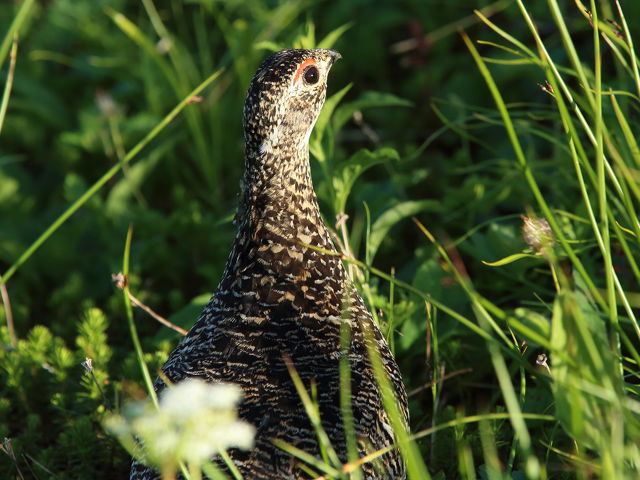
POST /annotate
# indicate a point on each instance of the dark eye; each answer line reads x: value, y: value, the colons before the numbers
x: 311, y: 75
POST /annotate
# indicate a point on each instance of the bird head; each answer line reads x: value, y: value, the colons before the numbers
x: 285, y: 98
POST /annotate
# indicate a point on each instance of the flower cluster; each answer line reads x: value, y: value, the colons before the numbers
x: 194, y: 421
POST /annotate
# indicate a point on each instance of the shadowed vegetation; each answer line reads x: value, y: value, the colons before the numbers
x: 509, y: 135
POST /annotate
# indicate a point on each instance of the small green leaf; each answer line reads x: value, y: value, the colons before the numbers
x: 315, y: 144
x: 534, y: 327
x: 348, y: 173
x: 510, y: 259
x: 92, y: 337
x: 389, y: 218
x: 333, y: 36
x: 366, y: 100
x: 268, y: 45
x: 119, y: 198
x: 582, y: 371
x: 306, y: 40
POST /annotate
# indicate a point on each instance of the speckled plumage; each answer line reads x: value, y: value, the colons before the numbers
x: 278, y: 298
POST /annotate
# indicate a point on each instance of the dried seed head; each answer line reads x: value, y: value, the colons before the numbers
x: 547, y: 88
x: 106, y: 104
x: 7, y: 448
x: 537, y: 233
x: 87, y: 364
x: 542, y: 361
x: 120, y: 280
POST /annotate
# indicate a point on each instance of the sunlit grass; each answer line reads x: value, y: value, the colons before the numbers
x: 521, y: 357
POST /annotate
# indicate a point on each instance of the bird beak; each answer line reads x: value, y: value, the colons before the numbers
x: 334, y: 55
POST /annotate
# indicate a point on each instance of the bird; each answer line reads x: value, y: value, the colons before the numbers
x: 285, y: 294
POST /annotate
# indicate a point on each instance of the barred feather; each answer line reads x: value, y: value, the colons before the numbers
x: 279, y: 298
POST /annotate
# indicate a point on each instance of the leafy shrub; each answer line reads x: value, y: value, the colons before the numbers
x: 520, y: 359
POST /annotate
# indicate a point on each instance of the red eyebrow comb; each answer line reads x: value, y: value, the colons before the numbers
x: 305, y: 64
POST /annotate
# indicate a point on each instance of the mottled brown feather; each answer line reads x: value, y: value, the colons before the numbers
x: 278, y: 298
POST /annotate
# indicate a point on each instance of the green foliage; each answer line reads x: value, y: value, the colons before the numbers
x: 47, y: 405
x: 520, y: 358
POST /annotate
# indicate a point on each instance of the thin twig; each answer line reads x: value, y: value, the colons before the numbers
x: 33, y: 474
x: 121, y: 281
x: 366, y: 129
x: 109, y: 110
x: 26, y: 456
x: 446, y: 30
x: 8, y: 313
x: 7, y: 448
x: 341, y: 226
x: 439, y: 380
x: 88, y: 366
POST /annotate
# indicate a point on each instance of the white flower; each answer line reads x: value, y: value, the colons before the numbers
x: 195, y: 420
x: 193, y: 394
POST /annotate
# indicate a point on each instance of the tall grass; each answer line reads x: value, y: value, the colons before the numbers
x: 592, y: 381
x: 521, y: 359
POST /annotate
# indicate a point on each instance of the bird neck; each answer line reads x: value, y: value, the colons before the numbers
x: 281, y: 236
x: 278, y: 199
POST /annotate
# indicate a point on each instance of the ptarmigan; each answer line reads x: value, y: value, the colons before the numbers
x: 280, y: 299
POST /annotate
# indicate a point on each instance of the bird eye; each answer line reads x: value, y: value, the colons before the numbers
x: 311, y: 75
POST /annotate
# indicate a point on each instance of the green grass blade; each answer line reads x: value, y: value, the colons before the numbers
x: 548, y: 61
x: 307, y: 458
x: 333, y: 36
x: 313, y: 413
x: 7, y: 86
x: 345, y: 400
x: 602, y: 187
x: 14, y: 28
x: 479, y: 418
x: 184, y: 71
x: 548, y: 214
x: 570, y: 48
x: 133, y: 331
x: 632, y: 53
x: 629, y: 136
x: 132, y: 326
x: 510, y: 38
x: 416, y: 468
x: 532, y: 464
x: 75, y: 206
x: 131, y: 30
